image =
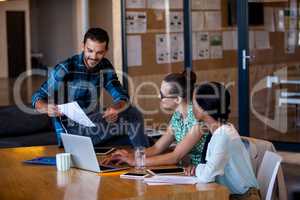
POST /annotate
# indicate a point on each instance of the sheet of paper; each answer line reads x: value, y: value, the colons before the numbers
x: 136, y: 22
x: 251, y: 40
x: 290, y: 41
x: 135, y: 3
x: 279, y: 19
x: 212, y: 4
x: 227, y: 40
x: 176, y: 4
x: 197, y: 21
x: 200, y: 45
x: 74, y: 112
x: 177, y: 47
x: 162, y: 49
x: 165, y: 4
x: 198, y: 4
x: 269, y: 19
x: 262, y: 40
x: 216, y: 50
x: 156, y: 4
x: 212, y: 20
x: 175, y: 22
x: 134, y: 46
x: 172, y: 179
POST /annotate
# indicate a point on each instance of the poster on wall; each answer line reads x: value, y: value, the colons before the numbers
x: 177, y: 47
x: 197, y: 21
x: 136, y: 22
x: 135, y: 3
x: 165, y: 4
x: 175, y: 22
x: 134, y: 50
x: 216, y: 41
x: 206, y: 4
x: 229, y: 40
x: 169, y: 48
x: 290, y: 41
x: 213, y: 20
x: 200, y: 45
x: 162, y: 49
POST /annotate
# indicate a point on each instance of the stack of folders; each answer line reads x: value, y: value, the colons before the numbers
x: 171, y: 180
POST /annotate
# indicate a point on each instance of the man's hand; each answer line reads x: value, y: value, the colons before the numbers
x: 112, y: 113
x: 50, y: 109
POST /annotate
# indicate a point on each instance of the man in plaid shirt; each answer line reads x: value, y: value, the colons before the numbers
x: 80, y: 78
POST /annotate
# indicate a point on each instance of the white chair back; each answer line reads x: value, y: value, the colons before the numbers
x: 267, y: 174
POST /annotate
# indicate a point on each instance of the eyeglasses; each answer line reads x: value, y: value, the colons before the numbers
x: 162, y: 96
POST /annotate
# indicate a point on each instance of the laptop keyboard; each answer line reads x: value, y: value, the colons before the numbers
x: 105, y: 167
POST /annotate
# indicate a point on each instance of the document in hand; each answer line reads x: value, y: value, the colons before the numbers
x: 171, y: 180
x: 74, y: 112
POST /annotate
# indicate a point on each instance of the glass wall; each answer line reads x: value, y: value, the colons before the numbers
x: 274, y: 70
x: 155, y: 47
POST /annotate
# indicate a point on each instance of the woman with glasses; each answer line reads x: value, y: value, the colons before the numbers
x: 175, y: 94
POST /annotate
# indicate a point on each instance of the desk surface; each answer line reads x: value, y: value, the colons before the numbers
x: 22, y: 181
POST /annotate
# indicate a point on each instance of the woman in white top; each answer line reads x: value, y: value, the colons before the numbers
x: 227, y: 160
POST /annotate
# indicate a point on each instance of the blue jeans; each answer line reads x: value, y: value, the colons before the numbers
x: 130, y: 123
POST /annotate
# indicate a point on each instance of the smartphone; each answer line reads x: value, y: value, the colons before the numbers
x: 103, y: 150
x: 174, y: 170
x: 133, y: 175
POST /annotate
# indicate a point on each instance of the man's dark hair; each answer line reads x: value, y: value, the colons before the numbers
x: 96, y: 34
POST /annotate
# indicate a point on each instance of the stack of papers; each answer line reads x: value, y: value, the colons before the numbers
x: 171, y: 180
x: 74, y: 112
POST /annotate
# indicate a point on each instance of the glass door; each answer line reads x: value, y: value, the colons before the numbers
x: 274, y: 70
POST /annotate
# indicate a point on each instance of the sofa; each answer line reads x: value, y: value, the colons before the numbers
x: 18, y: 129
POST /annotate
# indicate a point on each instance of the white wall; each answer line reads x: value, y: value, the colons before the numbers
x: 17, y: 5
x: 52, y: 28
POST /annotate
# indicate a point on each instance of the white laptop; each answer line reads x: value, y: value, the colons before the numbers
x: 83, y: 154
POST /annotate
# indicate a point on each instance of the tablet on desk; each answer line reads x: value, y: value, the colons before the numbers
x: 133, y: 175
x: 161, y: 171
x: 103, y: 150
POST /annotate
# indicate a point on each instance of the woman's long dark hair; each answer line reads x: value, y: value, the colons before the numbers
x: 214, y: 98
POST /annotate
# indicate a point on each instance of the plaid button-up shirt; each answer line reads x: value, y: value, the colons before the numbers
x: 71, y: 81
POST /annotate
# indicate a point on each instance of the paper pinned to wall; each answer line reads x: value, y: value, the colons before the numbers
x: 279, y: 19
x: 228, y: 40
x: 169, y: 48
x: 162, y: 49
x: 198, y: 4
x: 197, y: 21
x: 213, y: 20
x: 135, y: 3
x: 157, y: 4
x: 136, y: 22
x: 290, y: 40
x: 176, y: 4
x: 216, y: 50
x: 212, y: 4
x: 175, y: 22
x: 262, y: 40
x: 177, y: 47
x: 269, y: 19
x: 165, y: 4
x: 200, y: 45
x: 251, y: 40
x: 134, y: 45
